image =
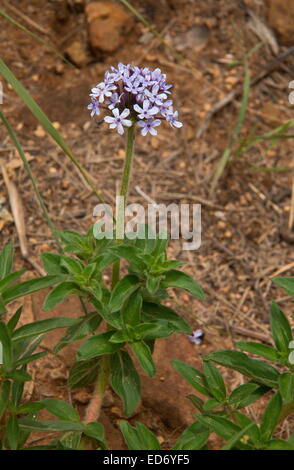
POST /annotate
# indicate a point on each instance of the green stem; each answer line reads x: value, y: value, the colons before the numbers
x: 124, y: 190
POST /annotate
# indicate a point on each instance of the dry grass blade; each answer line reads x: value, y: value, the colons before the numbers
x: 19, y: 220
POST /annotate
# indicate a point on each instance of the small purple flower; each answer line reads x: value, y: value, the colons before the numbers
x: 166, y: 108
x: 148, y: 126
x: 154, y: 95
x: 118, y: 121
x: 145, y: 111
x: 94, y: 107
x: 196, y: 337
x: 133, y: 86
x: 113, y: 100
x: 103, y: 91
x: 172, y: 119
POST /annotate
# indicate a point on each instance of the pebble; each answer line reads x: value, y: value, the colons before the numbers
x: 108, y: 24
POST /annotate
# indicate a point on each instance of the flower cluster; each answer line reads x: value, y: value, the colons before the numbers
x: 131, y: 93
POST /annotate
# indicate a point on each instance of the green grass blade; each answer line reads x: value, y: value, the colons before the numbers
x: 34, y: 36
x: 31, y: 176
x: 46, y: 123
x: 245, y: 99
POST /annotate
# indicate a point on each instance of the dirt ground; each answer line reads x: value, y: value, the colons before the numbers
x: 245, y: 236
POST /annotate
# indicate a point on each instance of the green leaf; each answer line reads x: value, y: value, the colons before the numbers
x: 193, y: 438
x: 52, y: 263
x: 125, y: 381
x: 193, y: 376
x: 260, y: 371
x: 138, y: 437
x: 10, y: 278
x: 281, y: 329
x: 158, y: 312
x: 153, y: 284
x: 19, y: 375
x: 279, y: 444
x: 28, y: 408
x: 28, y: 287
x: 132, y: 310
x: 131, y: 254
x: 215, y: 381
x: 175, y: 278
x: 246, y: 394
x: 83, y: 373
x: 270, y: 417
x: 211, y: 404
x: 259, y: 349
x: 220, y: 425
x: 61, y: 410
x: 4, y: 396
x: 150, y: 331
x: 42, y: 326
x: 97, y: 345
x: 12, y: 432
x: 11, y: 324
x: 50, y: 425
x: 6, y: 260
x: 286, y: 387
x: 58, y: 294
x: 95, y: 430
x: 197, y: 402
x: 27, y: 359
x: 123, y: 289
x: 144, y: 356
x: 84, y: 327
x: 6, y: 347
x: 236, y: 437
x: 286, y: 282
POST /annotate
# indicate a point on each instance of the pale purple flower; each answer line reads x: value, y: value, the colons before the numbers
x: 133, y: 86
x: 154, y: 95
x: 103, y: 91
x: 94, y: 107
x: 148, y: 126
x: 145, y: 111
x: 196, y: 337
x: 172, y: 119
x: 113, y: 101
x: 118, y: 121
x: 166, y: 108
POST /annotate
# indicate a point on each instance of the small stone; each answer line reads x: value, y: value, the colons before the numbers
x: 194, y: 39
x: 82, y: 396
x: 78, y: 53
x: 108, y: 24
x: 39, y: 132
x: 281, y: 19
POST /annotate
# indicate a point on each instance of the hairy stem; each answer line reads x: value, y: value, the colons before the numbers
x: 124, y: 190
x: 94, y: 408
